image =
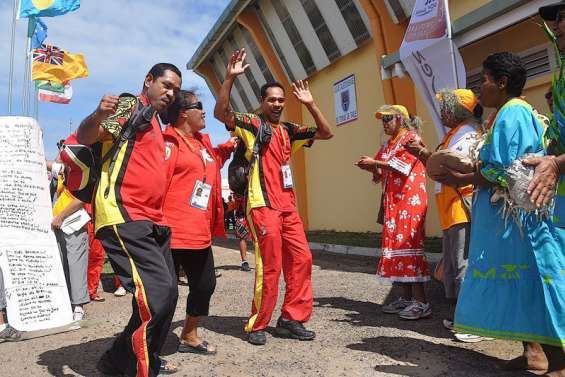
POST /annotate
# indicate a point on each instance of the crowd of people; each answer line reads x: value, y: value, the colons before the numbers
x: 158, y: 204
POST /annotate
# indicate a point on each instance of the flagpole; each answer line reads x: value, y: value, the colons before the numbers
x: 451, y: 47
x: 12, y: 47
x: 27, y: 76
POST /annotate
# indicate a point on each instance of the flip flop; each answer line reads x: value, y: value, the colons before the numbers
x: 98, y: 298
x: 167, y: 368
x: 201, y: 349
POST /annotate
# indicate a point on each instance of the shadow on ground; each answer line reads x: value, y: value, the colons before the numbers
x: 419, y: 357
x: 224, y: 325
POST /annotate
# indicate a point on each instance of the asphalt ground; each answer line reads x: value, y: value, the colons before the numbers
x: 353, y: 337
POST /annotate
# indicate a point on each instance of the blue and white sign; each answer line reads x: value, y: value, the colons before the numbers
x: 345, y: 101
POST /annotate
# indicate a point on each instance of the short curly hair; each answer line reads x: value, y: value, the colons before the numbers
x: 506, y: 64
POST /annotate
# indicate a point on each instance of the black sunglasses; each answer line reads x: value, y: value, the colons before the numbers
x: 195, y: 105
x: 559, y: 16
x: 387, y: 118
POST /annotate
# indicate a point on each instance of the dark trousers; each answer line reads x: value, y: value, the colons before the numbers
x: 199, y: 268
x: 140, y: 254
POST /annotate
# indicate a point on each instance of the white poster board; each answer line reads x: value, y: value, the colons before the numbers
x: 345, y: 101
x: 34, y: 282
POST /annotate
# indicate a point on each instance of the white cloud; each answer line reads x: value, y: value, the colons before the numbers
x: 120, y: 40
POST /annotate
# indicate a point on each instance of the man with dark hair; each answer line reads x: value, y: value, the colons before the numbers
x: 269, y: 85
x: 280, y: 241
x: 129, y: 221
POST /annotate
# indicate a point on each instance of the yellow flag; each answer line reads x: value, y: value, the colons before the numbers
x: 53, y: 64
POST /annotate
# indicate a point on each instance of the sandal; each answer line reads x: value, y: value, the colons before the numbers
x: 167, y: 368
x: 98, y: 298
x: 201, y: 349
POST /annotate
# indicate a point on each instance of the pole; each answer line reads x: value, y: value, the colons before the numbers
x: 451, y: 47
x: 27, y: 77
x: 12, y: 47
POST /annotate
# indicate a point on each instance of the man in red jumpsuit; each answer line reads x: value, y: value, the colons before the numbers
x: 280, y: 241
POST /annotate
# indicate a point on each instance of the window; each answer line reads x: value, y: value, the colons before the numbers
x: 353, y: 20
x: 319, y: 25
x: 248, y: 72
x: 257, y: 54
x: 294, y: 36
x: 236, y: 83
x: 274, y: 43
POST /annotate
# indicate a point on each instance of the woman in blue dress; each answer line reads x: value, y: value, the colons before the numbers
x: 515, y: 283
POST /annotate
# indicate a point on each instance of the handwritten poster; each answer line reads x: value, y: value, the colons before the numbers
x: 34, y: 281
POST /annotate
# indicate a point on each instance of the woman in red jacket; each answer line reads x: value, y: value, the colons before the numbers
x: 193, y: 208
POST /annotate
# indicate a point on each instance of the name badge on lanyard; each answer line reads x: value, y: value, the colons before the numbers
x: 200, y: 195
x: 286, y: 176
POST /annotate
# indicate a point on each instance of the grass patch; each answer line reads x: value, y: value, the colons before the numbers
x: 368, y: 239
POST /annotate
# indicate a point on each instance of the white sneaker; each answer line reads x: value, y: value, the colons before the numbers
x: 395, y: 307
x: 78, y: 314
x: 120, y: 292
x: 448, y: 324
x: 416, y: 310
x: 470, y: 338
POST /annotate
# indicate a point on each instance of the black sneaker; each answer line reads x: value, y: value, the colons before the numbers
x: 257, y: 338
x: 245, y: 266
x: 293, y: 329
x: 105, y: 366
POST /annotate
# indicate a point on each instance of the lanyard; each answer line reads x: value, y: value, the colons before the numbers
x: 282, y: 142
x: 198, y: 152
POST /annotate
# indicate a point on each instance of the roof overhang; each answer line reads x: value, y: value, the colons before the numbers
x: 216, y: 34
x: 480, y: 23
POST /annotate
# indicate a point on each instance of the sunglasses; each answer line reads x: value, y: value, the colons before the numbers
x: 388, y: 118
x: 195, y: 105
x: 548, y: 95
x: 559, y: 16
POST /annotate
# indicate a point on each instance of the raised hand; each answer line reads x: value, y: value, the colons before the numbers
x: 107, y: 106
x: 236, y: 65
x: 301, y: 90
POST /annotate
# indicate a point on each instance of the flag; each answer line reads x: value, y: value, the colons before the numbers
x: 46, y: 95
x: 46, y: 8
x: 429, y: 55
x: 55, y: 65
x: 37, y: 31
x: 50, y: 86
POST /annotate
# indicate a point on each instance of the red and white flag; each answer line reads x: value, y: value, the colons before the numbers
x: 430, y: 56
x: 46, y: 95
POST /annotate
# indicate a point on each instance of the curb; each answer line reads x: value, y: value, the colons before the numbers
x: 354, y: 250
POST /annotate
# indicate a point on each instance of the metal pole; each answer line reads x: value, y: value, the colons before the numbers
x: 12, y: 47
x: 451, y: 47
x: 27, y: 77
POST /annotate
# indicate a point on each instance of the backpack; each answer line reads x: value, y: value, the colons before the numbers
x: 240, y: 166
x: 83, y: 164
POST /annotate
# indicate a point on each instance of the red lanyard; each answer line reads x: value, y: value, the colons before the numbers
x: 198, y: 152
x: 282, y: 143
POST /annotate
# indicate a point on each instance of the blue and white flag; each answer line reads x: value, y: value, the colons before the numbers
x: 46, y: 8
x: 37, y: 31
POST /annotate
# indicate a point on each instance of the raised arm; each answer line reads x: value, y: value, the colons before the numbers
x: 301, y: 91
x: 89, y: 131
x: 235, y: 67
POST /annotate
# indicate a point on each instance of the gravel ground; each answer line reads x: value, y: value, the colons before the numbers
x: 353, y: 337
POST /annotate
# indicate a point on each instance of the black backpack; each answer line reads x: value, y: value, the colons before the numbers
x: 240, y: 166
x: 88, y: 161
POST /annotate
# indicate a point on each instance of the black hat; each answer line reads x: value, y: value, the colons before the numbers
x: 549, y: 12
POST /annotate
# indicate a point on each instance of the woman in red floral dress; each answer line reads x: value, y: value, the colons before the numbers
x: 404, y: 207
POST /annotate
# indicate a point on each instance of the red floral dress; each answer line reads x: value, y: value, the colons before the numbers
x: 405, y: 204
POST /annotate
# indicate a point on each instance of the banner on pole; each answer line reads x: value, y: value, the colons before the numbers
x: 429, y: 55
x: 34, y: 282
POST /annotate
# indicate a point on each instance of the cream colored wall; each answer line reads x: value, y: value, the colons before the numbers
x: 458, y: 8
x: 341, y: 196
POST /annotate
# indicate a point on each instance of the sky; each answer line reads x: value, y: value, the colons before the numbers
x: 120, y: 41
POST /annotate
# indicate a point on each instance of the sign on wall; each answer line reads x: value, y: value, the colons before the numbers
x: 345, y: 101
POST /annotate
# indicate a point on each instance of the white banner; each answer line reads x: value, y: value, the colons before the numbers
x: 34, y: 282
x: 429, y: 55
x: 345, y: 100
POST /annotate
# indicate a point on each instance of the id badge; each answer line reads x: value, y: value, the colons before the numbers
x: 200, y: 195
x: 287, y: 176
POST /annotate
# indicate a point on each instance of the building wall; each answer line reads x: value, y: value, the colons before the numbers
x: 458, y: 8
x: 341, y: 196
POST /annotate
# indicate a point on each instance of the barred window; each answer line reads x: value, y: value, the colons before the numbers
x: 248, y: 72
x: 294, y: 36
x: 257, y: 54
x: 274, y: 42
x: 236, y: 83
x: 319, y: 24
x: 353, y: 20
